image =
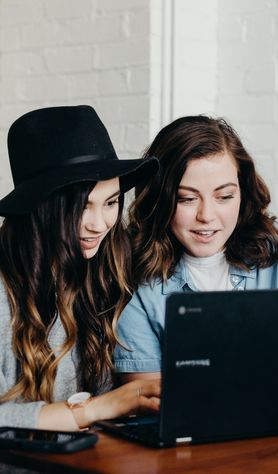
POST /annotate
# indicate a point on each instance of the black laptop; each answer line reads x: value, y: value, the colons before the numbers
x: 219, y: 370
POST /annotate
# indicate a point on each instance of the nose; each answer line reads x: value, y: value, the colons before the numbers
x: 95, y: 221
x: 206, y: 212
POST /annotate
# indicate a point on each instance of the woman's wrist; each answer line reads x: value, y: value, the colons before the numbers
x: 92, y: 410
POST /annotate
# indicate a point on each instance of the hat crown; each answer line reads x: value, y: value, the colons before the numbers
x: 53, y: 136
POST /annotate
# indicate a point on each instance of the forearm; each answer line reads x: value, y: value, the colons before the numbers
x: 129, y: 398
x: 57, y: 416
x: 128, y: 377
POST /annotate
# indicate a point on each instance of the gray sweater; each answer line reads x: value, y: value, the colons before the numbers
x: 26, y: 414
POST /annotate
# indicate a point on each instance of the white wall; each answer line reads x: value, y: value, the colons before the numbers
x: 248, y: 80
x: 225, y: 64
x: 55, y: 52
x: 142, y: 63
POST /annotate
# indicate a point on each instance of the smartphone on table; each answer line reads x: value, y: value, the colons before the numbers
x: 43, y: 440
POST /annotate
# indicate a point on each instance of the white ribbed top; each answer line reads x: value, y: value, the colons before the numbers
x: 209, y: 273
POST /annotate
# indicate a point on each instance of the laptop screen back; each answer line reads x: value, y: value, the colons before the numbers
x: 220, y: 366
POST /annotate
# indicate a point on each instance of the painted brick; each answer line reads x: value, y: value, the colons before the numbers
x: 117, y: 135
x: 10, y: 112
x: 135, y: 109
x: 111, y: 5
x: 124, y: 109
x: 110, y: 109
x: 44, y: 34
x: 9, y: 38
x: 195, y: 8
x: 98, y: 29
x: 262, y: 22
x: 48, y: 88
x: 196, y: 53
x: 261, y: 79
x: 246, y: 54
x: 262, y: 137
x: 114, y: 82
x: 200, y: 23
x: 136, y: 138
x: 22, y: 63
x: 231, y: 80
x: 68, y: 60
x: 138, y: 24
x: 231, y: 28
x: 200, y: 79
x: 16, y: 12
x: 83, y: 85
x: 244, y: 6
x: 122, y: 54
x: 252, y: 109
x: 109, y: 53
x: 139, y: 79
x: 8, y: 87
x: 63, y: 9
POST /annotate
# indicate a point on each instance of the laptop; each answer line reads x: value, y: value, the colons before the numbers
x: 219, y: 371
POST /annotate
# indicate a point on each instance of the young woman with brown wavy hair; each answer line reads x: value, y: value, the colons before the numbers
x: 65, y: 272
x: 202, y: 223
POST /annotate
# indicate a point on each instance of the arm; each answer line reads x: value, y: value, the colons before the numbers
x: 129, y: 377
x: 140, y: 331
x: 133, y: 397
x: 130, y: 398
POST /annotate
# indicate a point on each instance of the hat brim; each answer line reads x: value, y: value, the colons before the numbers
x: 27, y: 195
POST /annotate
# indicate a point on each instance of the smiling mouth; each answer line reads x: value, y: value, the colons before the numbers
x: 205, y: 233
x: 88, y: 243
x: 88, y: 239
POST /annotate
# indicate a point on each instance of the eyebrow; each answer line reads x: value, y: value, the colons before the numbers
x: 189, y: 188
x: 117, y: 193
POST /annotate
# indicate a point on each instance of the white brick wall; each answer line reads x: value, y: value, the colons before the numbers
x: 248, y: 87
x: 226, y: 64
x: 195, y: 62
x: 55, y: 52
x: 142, y: 63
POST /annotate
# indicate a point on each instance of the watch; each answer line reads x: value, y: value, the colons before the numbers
x: 76, y: 403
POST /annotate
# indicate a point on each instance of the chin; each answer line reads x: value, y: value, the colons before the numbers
x: 88, y: 254
x: 203, y: 252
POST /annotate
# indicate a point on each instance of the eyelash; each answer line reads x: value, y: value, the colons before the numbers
x: 189, y: 200
x: 226, y: 197
x: 108, y: 203
x: 113, y: 203
x: 186, y: 199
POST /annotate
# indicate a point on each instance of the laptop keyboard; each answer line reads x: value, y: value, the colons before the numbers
x: 146, y: 432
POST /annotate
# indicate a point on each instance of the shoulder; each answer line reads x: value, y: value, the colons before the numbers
x: 150, y: 298
x: 264, y: 278
x: 160, y: 287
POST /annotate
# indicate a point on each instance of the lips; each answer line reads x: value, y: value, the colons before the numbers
x: 206, y: 233
x: 204, y: 236
x: 88, y: 243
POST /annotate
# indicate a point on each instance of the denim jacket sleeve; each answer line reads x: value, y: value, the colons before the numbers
x: 140, y: 330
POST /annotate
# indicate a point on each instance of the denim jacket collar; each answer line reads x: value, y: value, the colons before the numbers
x: 181, y: 278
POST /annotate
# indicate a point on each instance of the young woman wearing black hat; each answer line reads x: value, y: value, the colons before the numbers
x: 64, y: 266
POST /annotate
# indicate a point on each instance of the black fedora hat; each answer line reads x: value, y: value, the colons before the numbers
x: 56, y: 146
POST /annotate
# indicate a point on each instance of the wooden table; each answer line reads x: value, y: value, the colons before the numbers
x: 116, y: 456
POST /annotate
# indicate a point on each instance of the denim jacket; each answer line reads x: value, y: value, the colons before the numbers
x: 141, y: 325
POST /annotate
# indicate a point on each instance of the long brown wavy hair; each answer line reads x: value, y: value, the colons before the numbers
x: 156, y: 251
x: 45, y: 274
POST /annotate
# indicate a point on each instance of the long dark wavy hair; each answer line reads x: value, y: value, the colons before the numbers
x: 45, y: 274
x: 156, y: 251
